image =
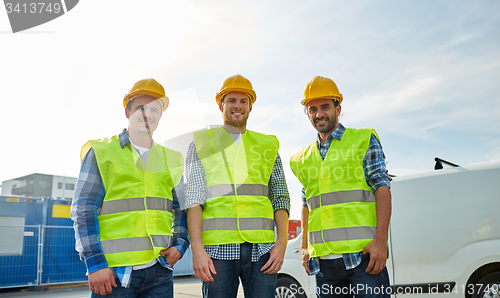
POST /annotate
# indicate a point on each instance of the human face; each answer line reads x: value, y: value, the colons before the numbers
x: 323, y: 115
x: 144, y: 115
x: 235, y: 109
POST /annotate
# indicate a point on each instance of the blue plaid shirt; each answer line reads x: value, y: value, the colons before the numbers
x: 196, y: 193
x: 375, y: 174
x: 89, y: 195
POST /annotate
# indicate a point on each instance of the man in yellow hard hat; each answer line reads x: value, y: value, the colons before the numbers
x: 235, y: 193
x: 126, y: 204
x: 346, y: 200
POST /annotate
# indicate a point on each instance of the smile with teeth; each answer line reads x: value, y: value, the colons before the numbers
x: 321, y: 121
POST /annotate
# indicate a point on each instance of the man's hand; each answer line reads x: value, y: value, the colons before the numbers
x: 172, y: 255
x: 378, y: 256
x: 305, y: 259
x: 276, y: 257
x: 203, y: 265
x: 100, y: 281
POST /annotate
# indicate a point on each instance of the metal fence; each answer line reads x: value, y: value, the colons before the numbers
x: 37, y: 255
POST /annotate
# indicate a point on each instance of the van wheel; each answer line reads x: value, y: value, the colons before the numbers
x: 488, y: 286
x: 284, y: 289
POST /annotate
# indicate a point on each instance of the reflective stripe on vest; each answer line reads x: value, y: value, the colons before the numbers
x: 136, y: 204
x: 238, y: 208
x: 242, y: 190
x: 135, y: 219
x: 135, y: 244
x: 340, y: 197
x: 253, y: 223
x: 342, y: 234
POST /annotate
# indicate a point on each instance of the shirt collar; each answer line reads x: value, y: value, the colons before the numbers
x: 124, y: 139
x: 336, y: 134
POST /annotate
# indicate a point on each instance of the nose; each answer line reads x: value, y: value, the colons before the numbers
x: 319, y: 114
x: 238, y: 104
x: 146, y: 114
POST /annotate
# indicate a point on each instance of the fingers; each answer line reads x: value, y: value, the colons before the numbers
x: 113, y: 282
x: 273, y: 268
x: 273, y: 265
x: 107, y: 288
x: 379, y: 265
x: 305, y: 264
x: 370, y: 266
x: 266, y: 265
x: 205, y: 274
x: 376, y: 265
x: 102, y: 281
x: 203, y: 271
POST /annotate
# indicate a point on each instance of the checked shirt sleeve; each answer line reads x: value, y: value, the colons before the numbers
x: 374, y: 165
x: 196, y: 185
x: 278, y: 190
x: 179, y: 229
x: 89, y: 194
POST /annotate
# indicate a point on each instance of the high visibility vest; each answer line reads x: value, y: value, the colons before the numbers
x: 342, y: 214
x: 135, y: 218
x: 238, y: 208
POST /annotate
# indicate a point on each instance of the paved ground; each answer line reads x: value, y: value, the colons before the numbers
x: 184, y: 287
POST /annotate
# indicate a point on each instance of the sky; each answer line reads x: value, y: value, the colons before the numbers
x: 424, y: 74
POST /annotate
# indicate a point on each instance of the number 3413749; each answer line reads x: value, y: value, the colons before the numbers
x: 472, y: 289
x: 39, y: 7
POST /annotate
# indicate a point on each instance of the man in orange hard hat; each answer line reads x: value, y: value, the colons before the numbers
x: 346, y: 200
x: 235, y: 193
x: 126, y: 204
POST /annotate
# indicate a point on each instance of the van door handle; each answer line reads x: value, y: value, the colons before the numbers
x: 296, y: 250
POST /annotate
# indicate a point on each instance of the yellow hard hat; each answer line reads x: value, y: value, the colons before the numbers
x: 321, y: 87
x: 147, y: 87
x: 236, y: 83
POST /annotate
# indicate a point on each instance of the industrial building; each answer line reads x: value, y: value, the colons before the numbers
x: 40, y: 186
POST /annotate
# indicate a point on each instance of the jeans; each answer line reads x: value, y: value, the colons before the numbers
x: 152, y: 282
x: 334, y: 280
x: 255, y: 283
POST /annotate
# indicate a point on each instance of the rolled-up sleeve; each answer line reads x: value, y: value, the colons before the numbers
x: 278, y: 190
x: 196, y: 185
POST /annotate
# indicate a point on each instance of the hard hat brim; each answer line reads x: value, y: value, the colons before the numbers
x: 306, y: 101
x: 163, y: 99
x: 250, y: 93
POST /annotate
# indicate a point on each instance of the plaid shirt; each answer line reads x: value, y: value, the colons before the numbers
x: 89, y: 195
x: 375, y: 175
x: 196, y: 193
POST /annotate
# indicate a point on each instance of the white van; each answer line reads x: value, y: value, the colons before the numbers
x: 444, y: 237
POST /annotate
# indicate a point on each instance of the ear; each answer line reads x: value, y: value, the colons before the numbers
x: 221, y: 108
x: 250, y: 108
x: 338, y: 109
x: 127, y: 113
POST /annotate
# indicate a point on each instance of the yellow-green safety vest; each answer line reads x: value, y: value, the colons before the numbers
x: 238, y: 208
x: 135, y: 218
x: 342, y: 214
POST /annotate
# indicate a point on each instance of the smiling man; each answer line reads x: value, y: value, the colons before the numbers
x: 126, y: 204
x: 236, y: 192
x: 346, y: 200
